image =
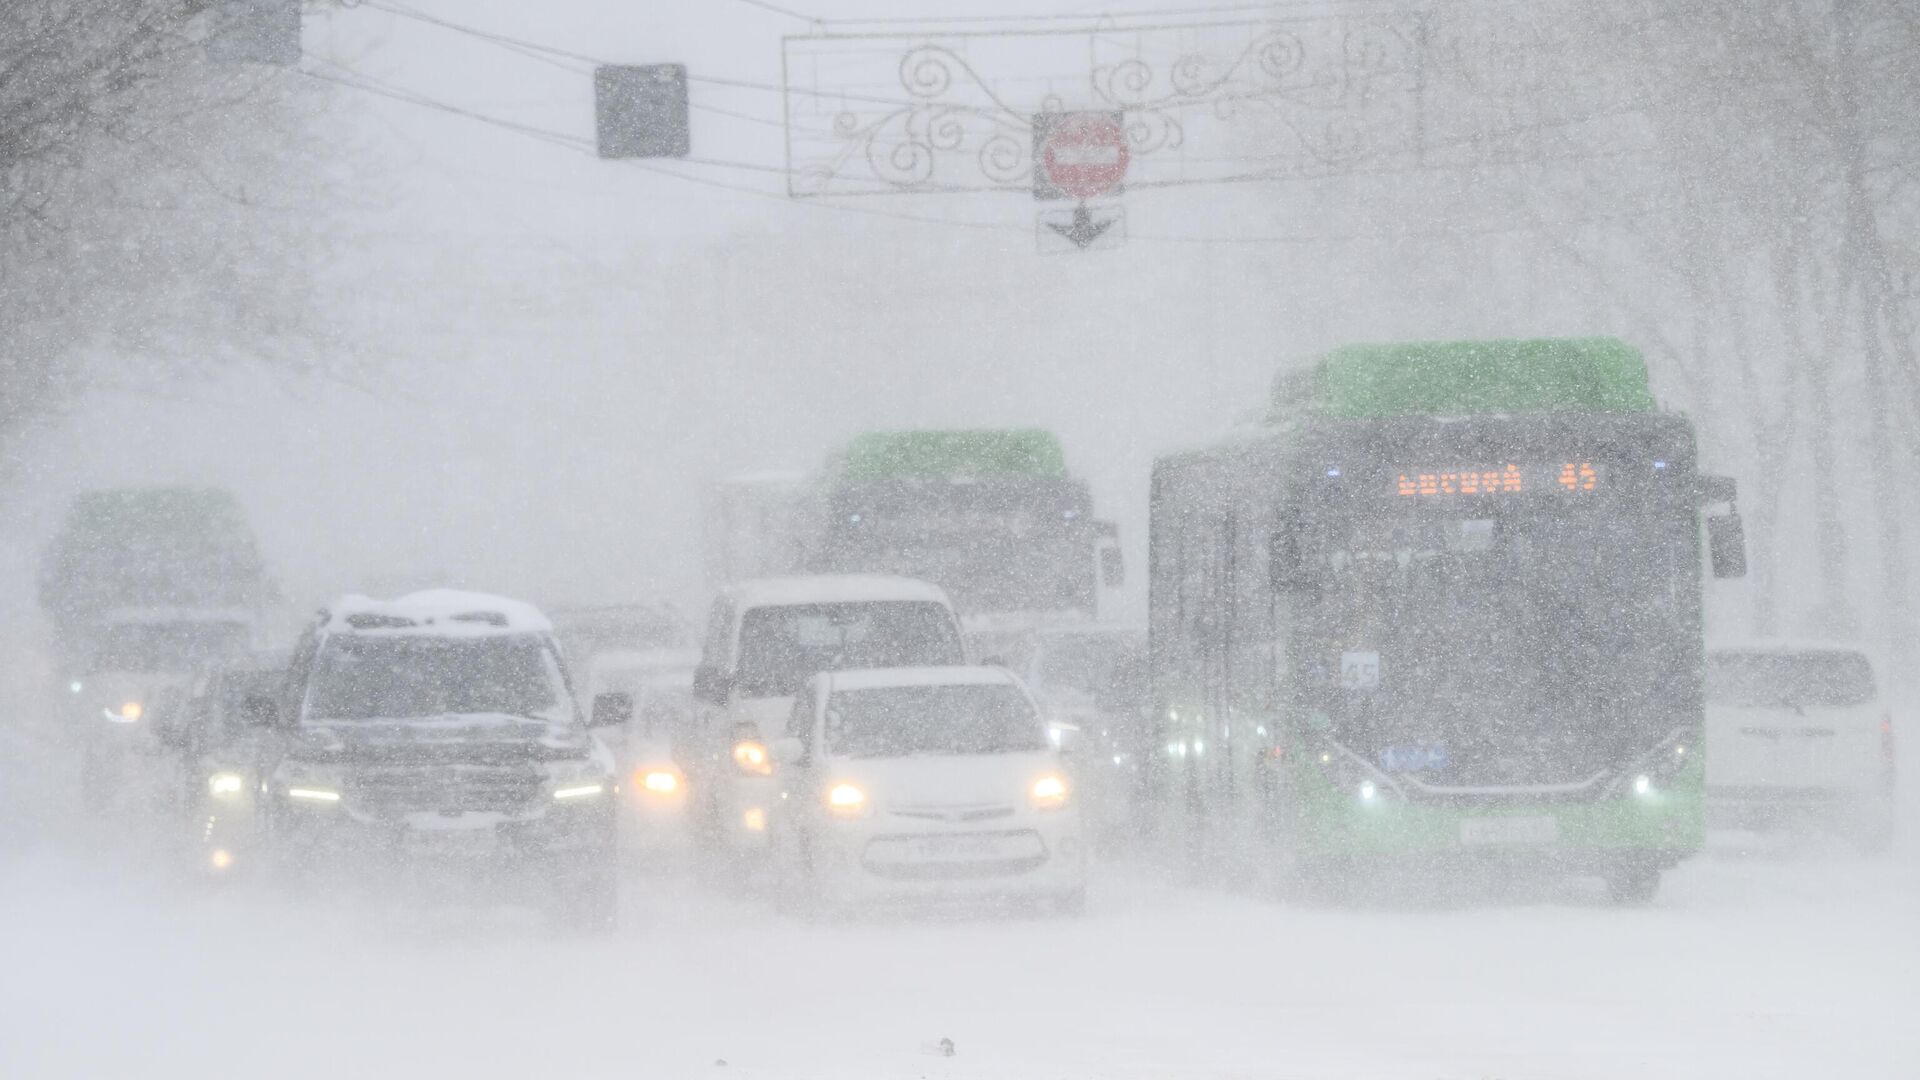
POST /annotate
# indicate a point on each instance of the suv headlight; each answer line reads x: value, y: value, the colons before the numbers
x: 305, y: 783
x: 577, y: 780
x: 315, y: 795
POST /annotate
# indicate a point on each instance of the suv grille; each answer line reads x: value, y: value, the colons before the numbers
x: 392, y: 792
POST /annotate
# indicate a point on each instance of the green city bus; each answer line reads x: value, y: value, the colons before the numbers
x: 1443, y: 606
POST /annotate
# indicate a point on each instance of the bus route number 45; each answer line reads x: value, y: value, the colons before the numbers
x: 1359, y: 670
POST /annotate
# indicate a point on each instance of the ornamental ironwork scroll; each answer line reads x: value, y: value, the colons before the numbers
x: 1201, y: 102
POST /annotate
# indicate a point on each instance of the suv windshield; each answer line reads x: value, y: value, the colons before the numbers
x: 365, y: 678
x: 782, y: 647
x: 1789, y: 680
x: 894, y: 721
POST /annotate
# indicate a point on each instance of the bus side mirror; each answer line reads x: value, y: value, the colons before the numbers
x: 1727, y: 545
x: 710, y: 684
x: 1286, y: 569
x: 1718, y: 489
x: 1113, y: 566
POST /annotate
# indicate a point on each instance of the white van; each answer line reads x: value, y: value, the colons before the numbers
x: 765, y: 639
x: 1798, y: 732
x: 925, y: 782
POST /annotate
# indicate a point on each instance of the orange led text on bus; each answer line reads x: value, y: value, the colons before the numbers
x: 1463, y: 482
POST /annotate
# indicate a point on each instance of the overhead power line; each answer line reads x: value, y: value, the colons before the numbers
x: 585, y: 145
x: 788, y: 12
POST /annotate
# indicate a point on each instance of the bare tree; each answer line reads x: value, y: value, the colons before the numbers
x: 159, y: 209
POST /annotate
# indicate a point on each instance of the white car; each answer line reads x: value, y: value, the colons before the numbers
x: 913, y: 783
x: 1799, y: 732
x: 765, y: 638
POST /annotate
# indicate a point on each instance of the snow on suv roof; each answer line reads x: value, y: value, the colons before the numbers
x: 835, y: 589
x: 436, y: 612
x: 876, y: 678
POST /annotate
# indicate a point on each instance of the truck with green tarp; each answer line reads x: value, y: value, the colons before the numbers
x: 143, y: 588
x: 1443, y: 606
x: 991, y: 515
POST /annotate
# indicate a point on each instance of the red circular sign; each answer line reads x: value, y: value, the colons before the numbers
x: 1086, y: 154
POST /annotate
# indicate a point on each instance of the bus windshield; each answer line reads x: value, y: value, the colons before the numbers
x: 1515, y: 642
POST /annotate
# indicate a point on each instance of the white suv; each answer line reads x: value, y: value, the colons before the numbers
x: 1799, y: 732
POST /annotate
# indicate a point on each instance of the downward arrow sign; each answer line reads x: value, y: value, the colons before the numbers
x: 1083, y: 231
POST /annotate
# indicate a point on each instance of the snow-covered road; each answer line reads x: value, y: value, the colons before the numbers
x: 1784, y: 963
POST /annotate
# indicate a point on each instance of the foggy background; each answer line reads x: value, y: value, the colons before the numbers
x: 427, y: 348
x: 491, y: 359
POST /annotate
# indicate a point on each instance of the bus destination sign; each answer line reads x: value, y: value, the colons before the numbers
x: 1504, y: 479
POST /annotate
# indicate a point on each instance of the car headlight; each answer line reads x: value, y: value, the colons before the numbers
x: 658, y: 781
x: 1048, y: 793
x: 847, y: 801
x: 750, y: 756
x: 226, y: 785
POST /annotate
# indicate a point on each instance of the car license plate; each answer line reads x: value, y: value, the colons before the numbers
x: 1509, y: 830
x: 450, y: 843
x: 943, y: 848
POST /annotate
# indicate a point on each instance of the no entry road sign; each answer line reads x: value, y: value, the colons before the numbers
x: 1078, y: 155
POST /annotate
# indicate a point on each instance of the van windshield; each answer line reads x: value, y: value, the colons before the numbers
x: 782, y: 647
x: 895, y: 721
x: 391, y: 678
x: 1769, y: 680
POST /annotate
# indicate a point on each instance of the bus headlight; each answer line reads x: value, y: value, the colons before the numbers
x: 574, y: 792
x: 1651, y: 775
x: 129, y: 712
x: 226, y: 785
x: 1352, y: 776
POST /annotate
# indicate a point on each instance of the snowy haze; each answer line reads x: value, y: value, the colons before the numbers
x: 535, y: 361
